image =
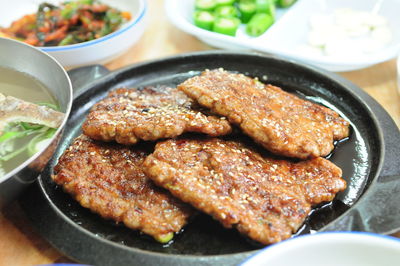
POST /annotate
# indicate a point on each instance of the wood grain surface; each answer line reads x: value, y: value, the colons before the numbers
x: 21, y: 245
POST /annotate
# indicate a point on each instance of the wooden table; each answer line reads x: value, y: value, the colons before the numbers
x: 21, y: 245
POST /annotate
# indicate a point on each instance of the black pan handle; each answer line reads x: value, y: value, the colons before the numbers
x: 82, y: 76
x: 375, y: 212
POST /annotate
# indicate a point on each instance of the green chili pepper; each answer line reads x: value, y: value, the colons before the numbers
x: 226, y: 11
x: 266, y: 6
x: 206, y: 5
x: 285, y: 3
x: 225, y: 2
x: 226, y: 26
x: 258, y: 24
x: 203, y: 19
x: 247, y: 10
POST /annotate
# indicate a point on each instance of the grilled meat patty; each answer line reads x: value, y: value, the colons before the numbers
x: 281, y: 122
x: 109, y: 180
x: 128, y: 115
x: 264, y: 198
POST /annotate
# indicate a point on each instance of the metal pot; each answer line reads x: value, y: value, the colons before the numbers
x: 27, y: 59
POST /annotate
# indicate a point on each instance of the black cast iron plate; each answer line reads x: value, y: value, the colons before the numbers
x: 86, y: 237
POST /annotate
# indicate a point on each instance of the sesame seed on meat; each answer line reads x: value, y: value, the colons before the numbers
x: 280, y: 121
x: 109, y: 180
x: 264, y: 198
x: 129, y: 115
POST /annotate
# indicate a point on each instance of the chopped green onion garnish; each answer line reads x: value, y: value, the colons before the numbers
x: 32, y: 145
x: 20, y: 130
x: 165, y: 238
x: 27, y: 126
x: 9, y: 135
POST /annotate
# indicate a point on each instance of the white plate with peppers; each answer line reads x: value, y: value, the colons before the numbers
x: 338, y: 35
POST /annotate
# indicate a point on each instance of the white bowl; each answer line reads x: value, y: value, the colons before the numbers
x: 331, y: 249
x: 290, y: 31
x: 97, y: 51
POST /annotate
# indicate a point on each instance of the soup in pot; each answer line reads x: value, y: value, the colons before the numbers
x: 29, y: 117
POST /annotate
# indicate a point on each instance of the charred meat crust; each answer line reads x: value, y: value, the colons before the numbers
x: 264, y: 198
x: 281, y: 122
x: 109, y: 180
x: 129, y: 115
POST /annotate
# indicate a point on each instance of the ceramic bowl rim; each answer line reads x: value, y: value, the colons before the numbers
x: 319, y: 235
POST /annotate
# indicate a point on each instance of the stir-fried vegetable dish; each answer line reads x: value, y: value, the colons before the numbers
x: 69, y: 23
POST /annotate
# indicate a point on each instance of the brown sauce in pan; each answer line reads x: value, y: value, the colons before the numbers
x: 351, y: 155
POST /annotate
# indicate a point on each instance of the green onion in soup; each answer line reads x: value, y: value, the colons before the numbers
x: 25, y: 128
